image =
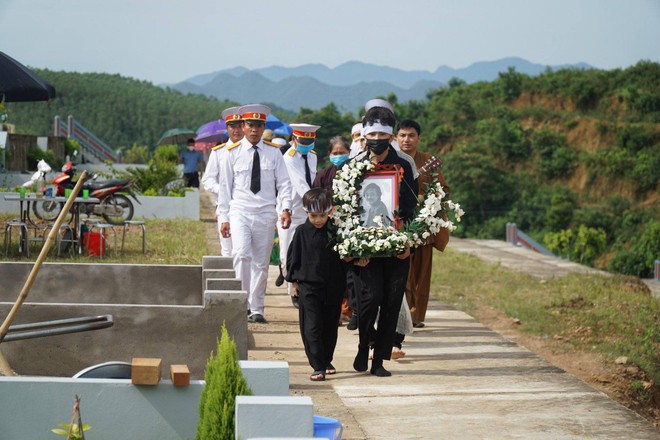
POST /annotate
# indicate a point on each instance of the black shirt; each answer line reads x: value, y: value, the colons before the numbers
x: 408, y: 188
x: 311, y: 259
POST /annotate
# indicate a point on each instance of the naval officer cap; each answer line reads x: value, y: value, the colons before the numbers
x: 304, y: 133
x: 378, y: 103
x: 231, y: 115
x: 254, y: 112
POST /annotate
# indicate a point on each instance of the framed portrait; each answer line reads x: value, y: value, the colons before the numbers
x: 379, y: 196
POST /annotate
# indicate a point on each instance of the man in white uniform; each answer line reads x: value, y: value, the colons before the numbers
x: 255, y: 178
x: 300, y: 160
x: 211, y: 179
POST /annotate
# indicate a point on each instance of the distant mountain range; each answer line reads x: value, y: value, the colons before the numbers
x: 348, y: 85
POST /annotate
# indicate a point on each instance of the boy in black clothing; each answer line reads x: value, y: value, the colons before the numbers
x: 321, y: 277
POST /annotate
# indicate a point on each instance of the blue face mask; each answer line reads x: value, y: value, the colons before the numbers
x: 339, y: 159
x: 304, y: 149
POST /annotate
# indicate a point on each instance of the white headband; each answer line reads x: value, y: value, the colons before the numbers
x: 316, y: 207
x: 376, y: 126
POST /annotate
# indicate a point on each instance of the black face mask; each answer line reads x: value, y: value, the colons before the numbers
x: 378, y: 146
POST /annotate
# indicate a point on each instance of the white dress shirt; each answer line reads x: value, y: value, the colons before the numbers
x: 211, y: 178
x: 295, y: 166
x: 236, y: 174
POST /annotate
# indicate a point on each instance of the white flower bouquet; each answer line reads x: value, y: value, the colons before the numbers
x: 356, y: 240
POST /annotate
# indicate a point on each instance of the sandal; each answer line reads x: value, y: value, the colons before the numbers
x: 330, y: 369
x: 317, y: 376
x: 397, y: 353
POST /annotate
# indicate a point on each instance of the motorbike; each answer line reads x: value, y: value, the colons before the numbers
x: 114, y: 206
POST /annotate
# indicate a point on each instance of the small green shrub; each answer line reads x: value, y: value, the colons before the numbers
x: 224, y: 381
x: 571, y: 124
x: 634, y: 137
x: 510, y: 84
x: 646, y: 171
x: 35, y: 154
x: 560, y: 212
x: 644, y: 250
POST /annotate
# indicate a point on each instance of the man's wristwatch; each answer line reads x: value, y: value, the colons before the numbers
x: 288, y: 211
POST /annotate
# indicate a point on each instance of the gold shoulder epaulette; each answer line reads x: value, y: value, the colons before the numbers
x: 313, y: 151
x: 217, y: 147
x: 272, y: 144
x: 291, y: 152
x: 234, y: 145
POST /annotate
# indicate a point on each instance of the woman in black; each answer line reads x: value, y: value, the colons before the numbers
x: 338, y: 154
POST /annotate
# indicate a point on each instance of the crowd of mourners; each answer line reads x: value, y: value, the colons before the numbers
x: 264, y: 182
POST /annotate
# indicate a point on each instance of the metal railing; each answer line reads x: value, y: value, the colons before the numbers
x: 519, y: 238
x: 89, y: 142
x: 57, y: 327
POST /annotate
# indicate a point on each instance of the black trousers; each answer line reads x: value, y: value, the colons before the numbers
x: 354, y: 285
x: 319, y: 314
x: 383, y: 286
x: 192, y: 180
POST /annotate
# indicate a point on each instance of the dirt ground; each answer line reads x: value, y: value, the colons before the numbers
x: 612, y: 379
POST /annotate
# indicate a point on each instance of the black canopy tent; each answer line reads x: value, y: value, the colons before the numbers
x: 20, y: 84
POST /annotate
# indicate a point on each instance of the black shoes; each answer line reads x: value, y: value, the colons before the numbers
x: 257, y: 317
x: 380, y: 372
x: 280, y: 278
x: 361, y: 360
x: 353, y: 323
x: 295, y: 302
x: 419, y: 325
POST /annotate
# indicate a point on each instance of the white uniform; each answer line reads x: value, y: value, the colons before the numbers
x: 211, y: 182
x: 295, y: 166
x: 252, y: 217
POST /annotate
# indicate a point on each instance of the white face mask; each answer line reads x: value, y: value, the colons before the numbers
x: 190, y: 148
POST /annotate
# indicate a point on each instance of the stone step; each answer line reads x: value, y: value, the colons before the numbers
x: 274, y: 416
x: 237, y: 299
x: 266, y: 378
x: 223, y: 284
x: 217, y: 262
x: 217, y: 274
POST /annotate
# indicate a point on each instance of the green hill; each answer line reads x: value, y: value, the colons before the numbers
x: 119, y: 110
x: 572, y: 157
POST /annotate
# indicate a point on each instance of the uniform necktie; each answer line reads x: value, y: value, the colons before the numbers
x: 308, y: 174
x: 255, y: 181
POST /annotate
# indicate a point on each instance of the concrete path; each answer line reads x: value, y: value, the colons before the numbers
x: 524, y: 260
x: 459, y: 380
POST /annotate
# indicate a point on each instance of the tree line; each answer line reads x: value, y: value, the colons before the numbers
x: 571, y: 156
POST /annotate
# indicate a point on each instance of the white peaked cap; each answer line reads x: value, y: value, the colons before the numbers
x: 231, y: 111
x: 279, y: 141
x: 356, y: 128
x: 304, y: 130
x: 257, y: 112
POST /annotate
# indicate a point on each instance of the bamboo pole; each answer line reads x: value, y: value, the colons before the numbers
x: 4, y: 367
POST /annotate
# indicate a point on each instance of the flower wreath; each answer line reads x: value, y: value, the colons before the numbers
x: 355, y: 240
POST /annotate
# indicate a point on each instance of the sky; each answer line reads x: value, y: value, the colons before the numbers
x: 167, y: 41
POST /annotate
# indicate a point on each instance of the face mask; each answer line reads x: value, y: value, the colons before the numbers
x: 304, y: 149
x: 378, y: 146
x: 338, y: 159
x: 190, y: 148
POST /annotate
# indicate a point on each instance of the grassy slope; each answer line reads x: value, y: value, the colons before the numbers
x: 612, y: 316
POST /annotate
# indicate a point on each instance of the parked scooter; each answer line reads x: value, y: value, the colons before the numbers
x: 39, y: 177
x: 114, y: 207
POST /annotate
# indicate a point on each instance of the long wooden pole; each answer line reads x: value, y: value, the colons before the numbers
x: 4, y: 366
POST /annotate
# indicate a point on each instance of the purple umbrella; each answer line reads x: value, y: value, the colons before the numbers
x: 211, y: 132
